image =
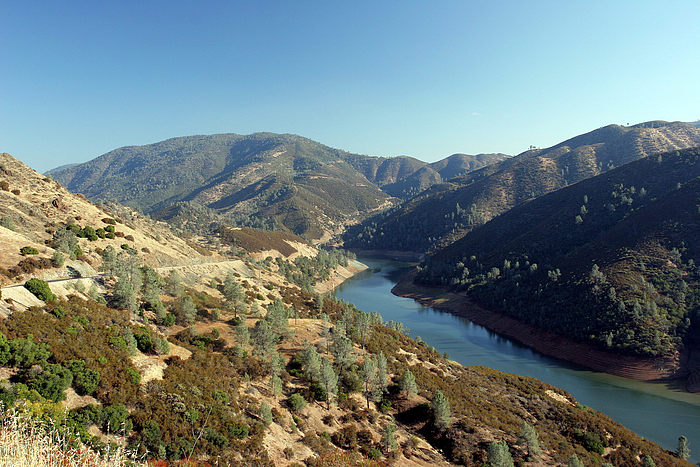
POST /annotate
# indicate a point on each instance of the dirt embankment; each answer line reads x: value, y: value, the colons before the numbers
x: 585, y: 355
x: 340, y: 275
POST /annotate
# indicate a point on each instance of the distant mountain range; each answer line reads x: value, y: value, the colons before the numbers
x: 267, y: 180
x: 446, y: 211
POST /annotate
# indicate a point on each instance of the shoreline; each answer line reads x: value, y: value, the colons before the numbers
x: 545, y: 342
x: 339, y: 275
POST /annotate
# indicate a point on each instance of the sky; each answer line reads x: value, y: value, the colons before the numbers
x: 425, y: 79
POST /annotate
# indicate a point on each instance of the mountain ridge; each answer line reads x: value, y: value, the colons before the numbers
x: 289, y: 180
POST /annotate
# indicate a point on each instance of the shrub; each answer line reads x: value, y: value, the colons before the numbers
x: 85, y: 380
x: 110, y: 221
x: 28, y: 250
x: 52, y: 382
x: 57, y: 259
x: 296, y: 402
x: 16, y: 192
x: 7, y: 222
x: 40, y: 288
x: 4, y: 185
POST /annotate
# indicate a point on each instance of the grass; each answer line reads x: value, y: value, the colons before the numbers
x: 25, y: 441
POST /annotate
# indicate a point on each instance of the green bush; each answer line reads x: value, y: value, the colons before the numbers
x: 296, y: 402
x: 85, y: 380
x: 28, y: 250
x: 89, y: 233
x: 40, y: 288
x: 115, y: 419
x: 52, y: 382
x: 239, y: 431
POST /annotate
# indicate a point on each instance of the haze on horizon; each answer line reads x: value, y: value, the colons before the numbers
x: 386, y: 79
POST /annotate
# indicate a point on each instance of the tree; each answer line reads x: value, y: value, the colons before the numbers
x: 574, y: 461
x: 277, y: 318
x: 242, y: 332
x: 441, y: 410
x: 499, y: 455
x: 683, y: 450
x: 407, y: 384
x: 312, y: 363
x: 185, y: 310
x: 647, y: 461
x: 276, y: 385
x: 65, y: 241
x: 382, y: 377
x: 151, y: 288
x: 529, y: 436
x: 173, y: 284
x: 129, y: 280
x: 265, y: 413
x: 329, y: 379
x: 232, y: 292
x: 342, y: 351
x: 263, y: 339
x: 388, y: 437
x: 368, y: 370
x: 363, y: 324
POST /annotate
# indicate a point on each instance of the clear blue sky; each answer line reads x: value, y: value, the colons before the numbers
x: 426, y: 79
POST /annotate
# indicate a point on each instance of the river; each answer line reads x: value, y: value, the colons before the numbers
x: 659, y: 412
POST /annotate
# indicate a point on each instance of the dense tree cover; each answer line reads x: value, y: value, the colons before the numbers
x: 625, y: 278
x: 306, y: 271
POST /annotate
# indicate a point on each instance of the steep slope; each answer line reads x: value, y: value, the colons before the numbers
x: 33, y: 207
x: 447, y: 211
x: 609, y: 261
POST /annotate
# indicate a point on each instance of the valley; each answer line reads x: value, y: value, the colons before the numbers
x: 234, y: 270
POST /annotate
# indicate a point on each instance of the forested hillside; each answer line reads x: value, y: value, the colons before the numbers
x: 213, y: 352
x: 264, y: 180
x: 445, y: 212
x: 610, y: 260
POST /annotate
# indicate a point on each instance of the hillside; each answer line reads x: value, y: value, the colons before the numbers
x: 446, y: 211
x: 609, y: 261
x: 261, y: 180
x: 232, y: 355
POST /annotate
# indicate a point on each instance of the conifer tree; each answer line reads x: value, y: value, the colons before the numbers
x: 529, y: 436
x: 499, y: 455
x: 441, y: 410
x: 683, y: 450
x: 407, y: 384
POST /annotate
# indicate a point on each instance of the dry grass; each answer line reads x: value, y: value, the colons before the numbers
x: 27, y: 442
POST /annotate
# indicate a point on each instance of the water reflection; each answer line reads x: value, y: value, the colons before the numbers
x: 659, y: 411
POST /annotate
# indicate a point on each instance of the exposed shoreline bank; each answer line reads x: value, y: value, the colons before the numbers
x: 547, y: 343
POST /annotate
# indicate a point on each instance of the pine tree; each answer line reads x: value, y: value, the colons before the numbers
x: 683, y: 450
x: 368, y: 370
x: 499, y: 455
x: 263, y: 339
x: 265, y: 413
x: 382, y: 377
x: 441, y: 410
x: 529, y: 436
x: 242, y: 333
x: 648, y: 462
x: 407, y: 384
x: 388, y: 437
x: 574, y: 461
x: 329, y: 379
x: 312, y: 363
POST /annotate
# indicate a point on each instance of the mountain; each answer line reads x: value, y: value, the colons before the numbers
x: 259, y: 180
x: 610, y: 261
x: 446, y: 211
x: 194, y: 349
